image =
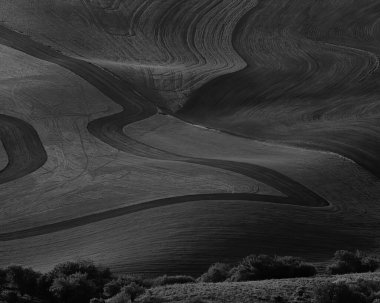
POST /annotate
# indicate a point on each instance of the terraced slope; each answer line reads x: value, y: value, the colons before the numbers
x: 141, y: 191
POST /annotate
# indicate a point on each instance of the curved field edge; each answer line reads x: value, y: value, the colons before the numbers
x: 23, y: 147
x: 114, y: 213
x: 311, y: 80
x: 109, y: 129
x: 172, y: 47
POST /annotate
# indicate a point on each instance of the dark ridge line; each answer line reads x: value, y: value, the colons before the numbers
x: 119, y: 212
x: 23, y: 147
x: 136, y: 107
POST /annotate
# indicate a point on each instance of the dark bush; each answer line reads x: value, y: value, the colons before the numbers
x: 9, y: 296
x: 24, y: 279
x: 352, y: 262
x: 279, y: 299
x: 70, y: 275
x: 73, y: 288
x: 169, y: 280
x: 217, y: 272
x: 114, y: 286
x: 3, y: 278
x: 260, y: 267
x: 43, y: 284
x: 133, y: 290
x: 98, y: 275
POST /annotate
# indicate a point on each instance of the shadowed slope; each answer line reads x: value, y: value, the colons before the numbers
x: 171, y: 46
x: 322, y: 94
x: 97, y: 204
x: 23, y: 147
x: 136, y: 107
x: 182, y: 237
x: 311, y: 79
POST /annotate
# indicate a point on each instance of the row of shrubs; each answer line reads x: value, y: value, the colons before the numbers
x: 67, y: 282
x: 350, y: 262
x: 261, y: 267
x: 83, y: 281
x: 73, y: 282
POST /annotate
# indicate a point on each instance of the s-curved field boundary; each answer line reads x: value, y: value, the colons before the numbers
x: 137, y: 107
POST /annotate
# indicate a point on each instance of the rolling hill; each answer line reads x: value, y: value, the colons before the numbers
x: 162, y: 136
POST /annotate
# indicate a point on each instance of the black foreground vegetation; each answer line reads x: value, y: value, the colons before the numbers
x: 82, y: 281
